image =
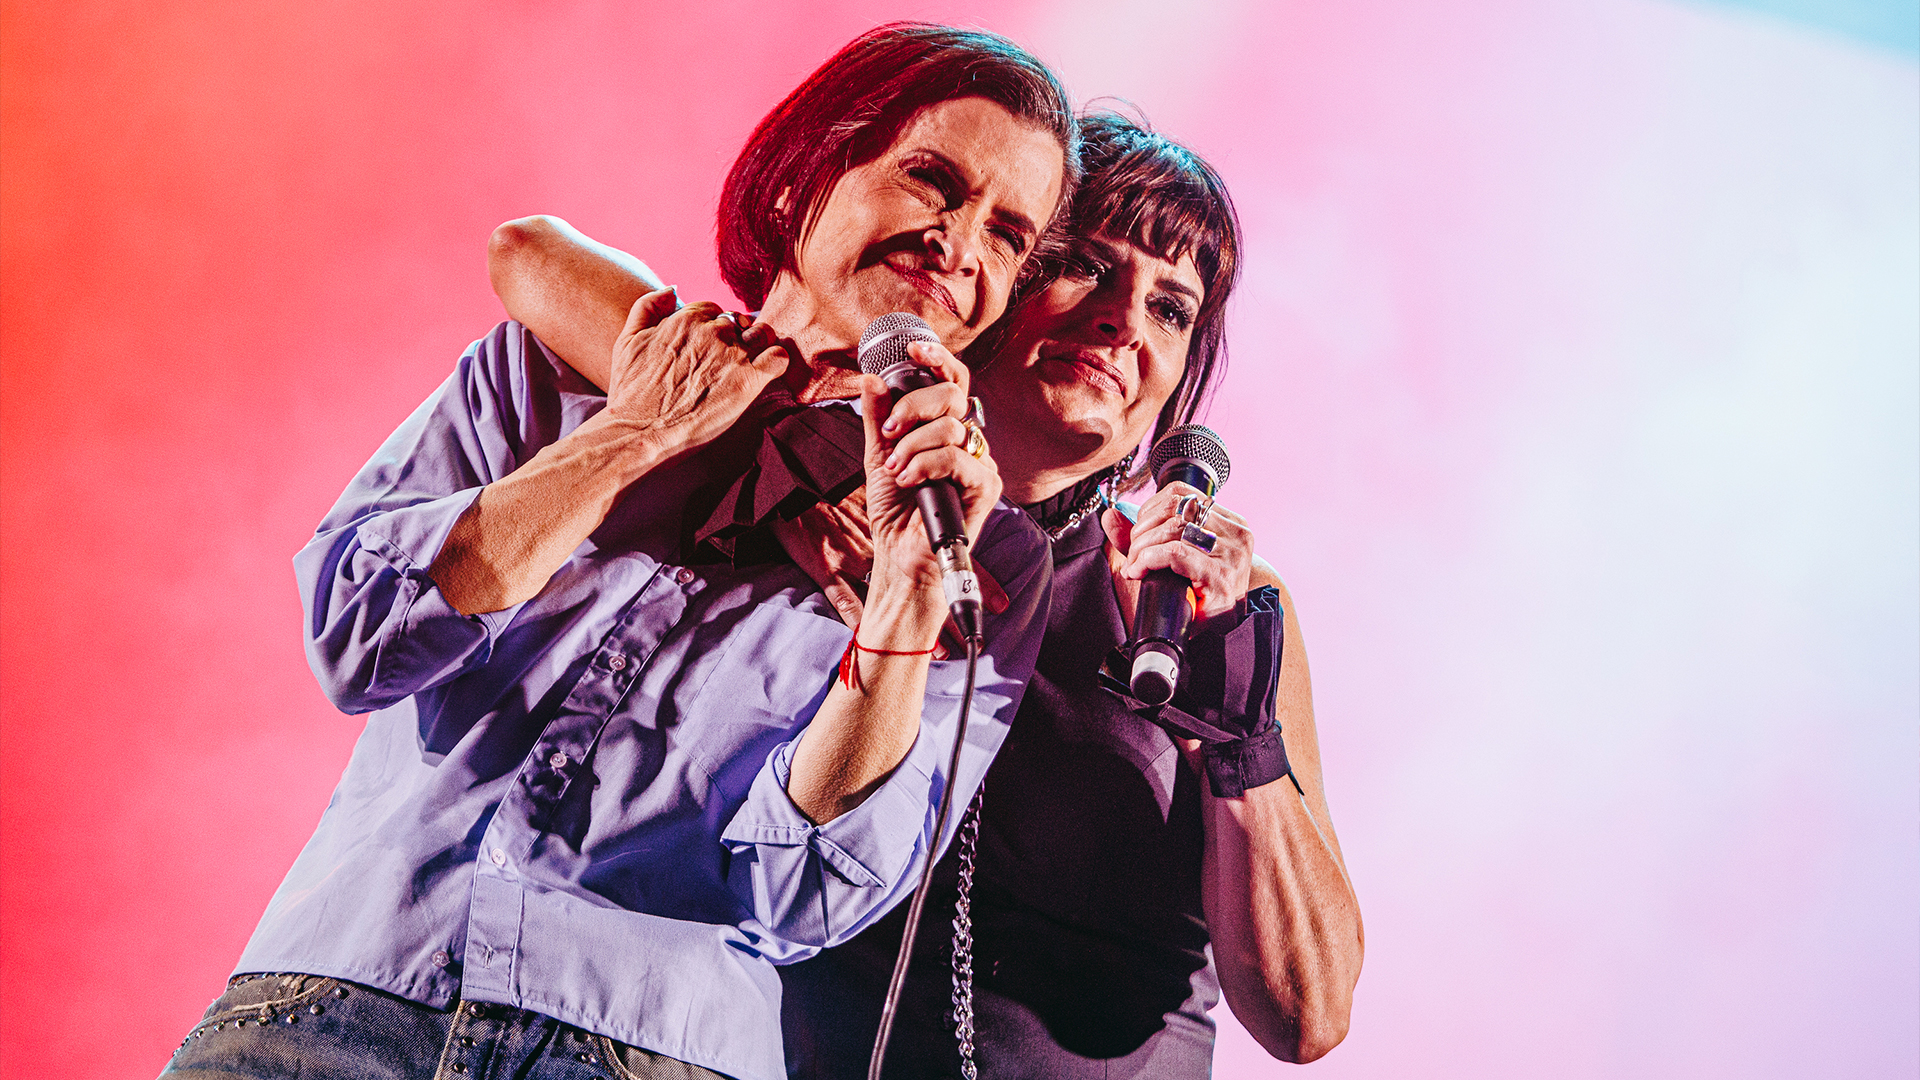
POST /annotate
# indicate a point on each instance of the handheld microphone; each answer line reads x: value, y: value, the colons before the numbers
x: 883, y: 352
x: 1189, y: 454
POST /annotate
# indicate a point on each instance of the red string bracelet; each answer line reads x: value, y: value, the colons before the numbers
x: 850, y: 665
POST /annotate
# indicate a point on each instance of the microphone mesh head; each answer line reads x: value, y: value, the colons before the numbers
x: 1191, y: 442
x: 885, y: 341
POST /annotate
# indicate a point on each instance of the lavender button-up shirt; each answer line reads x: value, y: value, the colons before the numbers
x: 578, y: 805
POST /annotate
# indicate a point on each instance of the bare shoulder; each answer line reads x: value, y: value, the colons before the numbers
x: 1263, y: 573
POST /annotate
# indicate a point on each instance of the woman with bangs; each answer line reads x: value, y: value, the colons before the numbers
x: 1123, y: 865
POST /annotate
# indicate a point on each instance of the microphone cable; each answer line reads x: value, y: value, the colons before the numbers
x: 919, y: 902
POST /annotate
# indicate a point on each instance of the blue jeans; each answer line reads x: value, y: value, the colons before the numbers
x: 270, y: 1027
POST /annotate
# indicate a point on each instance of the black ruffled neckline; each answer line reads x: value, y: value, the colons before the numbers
x: 1075, y: 501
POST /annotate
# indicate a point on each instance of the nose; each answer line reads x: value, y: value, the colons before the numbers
x: 954, y: 248
x: 1118, y: 317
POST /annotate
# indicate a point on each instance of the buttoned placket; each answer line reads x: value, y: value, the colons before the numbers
x: 557, y: 761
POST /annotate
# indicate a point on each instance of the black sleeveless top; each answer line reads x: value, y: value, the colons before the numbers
x: 1089, y: 940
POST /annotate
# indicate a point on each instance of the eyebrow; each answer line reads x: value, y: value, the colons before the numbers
x: 1179, y: 287
x: 1011, y: 217
x: 1111, y: 253
x: 1019, y: 221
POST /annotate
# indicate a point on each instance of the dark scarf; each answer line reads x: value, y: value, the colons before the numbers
x: 807, y: 454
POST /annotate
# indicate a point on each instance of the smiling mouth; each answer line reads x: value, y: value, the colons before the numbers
x: 925, y: 284
x: 1092, y: 370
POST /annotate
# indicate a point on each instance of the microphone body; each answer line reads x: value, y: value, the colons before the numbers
x: 883, y: 352
x: 1189, y: 454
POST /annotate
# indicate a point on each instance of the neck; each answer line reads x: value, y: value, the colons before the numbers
x: 1038, y: 462
x: 822, y: 363
x: 1024, y: 488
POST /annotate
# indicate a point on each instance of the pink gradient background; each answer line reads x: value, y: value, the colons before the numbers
x: 1574, y: 392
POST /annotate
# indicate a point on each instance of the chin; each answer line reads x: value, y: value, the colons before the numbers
x: 1075, y: 406
x: 1078, y: 432
x: 898, y: 294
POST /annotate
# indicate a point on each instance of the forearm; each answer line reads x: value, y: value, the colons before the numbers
x: 570, y: 290
x: 522, y: 527
x: 1287, y: 937
x: 863, y: 731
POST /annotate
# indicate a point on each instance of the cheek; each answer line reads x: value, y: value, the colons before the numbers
x: 1162, y: 378
x: 844, y: 223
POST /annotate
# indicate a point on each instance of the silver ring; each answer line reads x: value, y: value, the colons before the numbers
x: 1184, y: 509
x: 1199, y: 537
x: 976, y: 414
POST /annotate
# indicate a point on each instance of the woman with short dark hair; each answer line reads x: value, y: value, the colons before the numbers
x: 609, y: 782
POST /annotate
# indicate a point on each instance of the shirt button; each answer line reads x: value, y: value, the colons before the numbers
x: 499, y: 857
x: 441, y: 959
x: 558, y: 760
x: 683, y: 576
x: 616, y: 661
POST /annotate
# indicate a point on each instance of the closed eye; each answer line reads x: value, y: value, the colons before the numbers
x: 945, y: 186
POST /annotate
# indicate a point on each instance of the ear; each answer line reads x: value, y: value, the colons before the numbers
x: 784, y: 204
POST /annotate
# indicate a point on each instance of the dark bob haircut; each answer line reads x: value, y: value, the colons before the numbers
x: 847, y: 113
x: 1140, y: 185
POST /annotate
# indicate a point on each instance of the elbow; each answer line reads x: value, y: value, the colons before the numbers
x: 1294, y: 1018
x: 1312, y: 1038
x: 1300, y: 1035
x: 517, y: 236
x: 346, y: 685
x: 515, y: 242
x: 345, y: 668
x: 346, y: 694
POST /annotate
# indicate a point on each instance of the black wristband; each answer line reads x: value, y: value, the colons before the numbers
x: 1233, y: 767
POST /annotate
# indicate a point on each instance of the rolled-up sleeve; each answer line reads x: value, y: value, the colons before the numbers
x: 377, y: 628
x: 815, y: 886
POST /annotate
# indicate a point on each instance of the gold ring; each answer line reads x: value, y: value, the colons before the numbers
x: 976, y: 443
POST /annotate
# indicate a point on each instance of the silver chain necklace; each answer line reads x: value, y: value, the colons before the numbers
x: 962, y: 1014
x: 1094, y: 501
x: 1101, y: 497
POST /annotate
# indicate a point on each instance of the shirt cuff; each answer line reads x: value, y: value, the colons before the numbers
x: 869, y: 846
x: 1232, y: 664
x: 1229, y: 669
x: 1233, y: 767
x: 409, y: 539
